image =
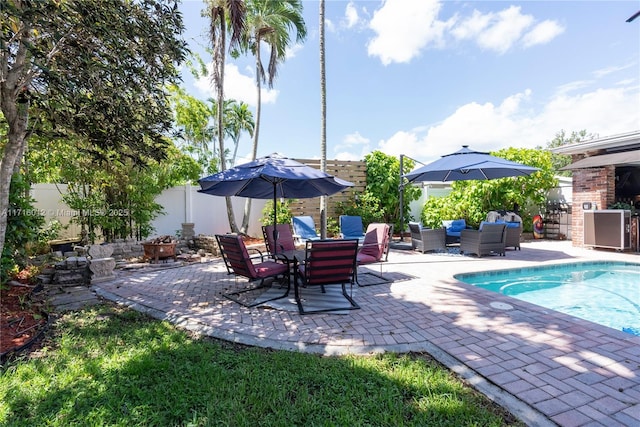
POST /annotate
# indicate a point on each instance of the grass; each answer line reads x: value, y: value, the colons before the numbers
x: 108, y: 365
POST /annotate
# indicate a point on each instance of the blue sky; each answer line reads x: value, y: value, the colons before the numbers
x: 423, y: 77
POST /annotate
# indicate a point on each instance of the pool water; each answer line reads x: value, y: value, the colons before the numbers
x: 604, y: 292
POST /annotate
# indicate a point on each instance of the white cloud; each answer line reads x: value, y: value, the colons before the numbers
x: 351, y: 15
x: 507, y: 27
x: 238, y: 86
x: 345, y: 155
x: 329, y: 25
x: 542, y: 33
x: 404, y: 28
x: 486, y: 127
x: 613, y: 69
x: 574, y: 86
x: 353, y: 147
x: 355, y: 139
x: 292, y: 51
x: 501, y: 31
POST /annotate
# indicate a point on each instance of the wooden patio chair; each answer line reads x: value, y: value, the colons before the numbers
x: 327, y: 262
x: 238, y: 261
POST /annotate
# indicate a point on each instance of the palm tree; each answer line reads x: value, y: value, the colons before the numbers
x: 323, y: 122
x: 238, y: 118
x: 270, y: 21
x: 224, y: 14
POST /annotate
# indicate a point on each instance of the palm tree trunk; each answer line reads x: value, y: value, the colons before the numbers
x: 323, y: 120
x: 218, y: 71
x: 256, y: 132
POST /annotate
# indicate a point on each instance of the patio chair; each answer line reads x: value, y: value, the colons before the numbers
x: 238, y: 261
x: 282, y: 241
x: 427, y: 239
x: 513, y: 222
x: 513, y: 234
x: 327, y: 262
x: 374, y: 249
x: 453, y: 228
x: 351, y: 227
x: 490, y: 238
x: 304, y: 228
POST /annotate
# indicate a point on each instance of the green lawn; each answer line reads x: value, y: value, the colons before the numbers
x: 112, y: 366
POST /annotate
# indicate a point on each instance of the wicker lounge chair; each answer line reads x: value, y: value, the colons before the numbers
x: 513, y: 234
x: 490, y: 238
x: 427, y: 239
x: 453, y: 228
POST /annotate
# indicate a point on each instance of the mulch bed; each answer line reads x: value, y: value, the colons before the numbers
x: 22, y: 317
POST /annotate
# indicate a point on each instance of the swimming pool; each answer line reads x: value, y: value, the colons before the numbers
x: 604, y: 292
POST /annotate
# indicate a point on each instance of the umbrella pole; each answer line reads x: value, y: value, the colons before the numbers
x: 401, y: 188
x: 275, y: 221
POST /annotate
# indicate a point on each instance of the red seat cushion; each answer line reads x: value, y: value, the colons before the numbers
x: 270, y: 268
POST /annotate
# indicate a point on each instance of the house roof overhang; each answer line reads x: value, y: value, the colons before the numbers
x: 625, y: 158
x: 621, y: 142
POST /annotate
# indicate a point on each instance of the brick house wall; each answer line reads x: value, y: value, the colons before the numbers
x: 594, y: 180
x: 594, y: 185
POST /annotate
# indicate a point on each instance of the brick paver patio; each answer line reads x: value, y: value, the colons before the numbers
x: 546, y: 367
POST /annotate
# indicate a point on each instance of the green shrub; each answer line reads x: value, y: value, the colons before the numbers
x: 283, y: 212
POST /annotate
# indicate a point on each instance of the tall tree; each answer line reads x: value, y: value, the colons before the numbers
x: 323, y: 121
x: 194, y: 119
x: 96, y: 68
x: 561, y: 138
x: 238, y: 119
x: 269, y: 22
x: 223, y: 15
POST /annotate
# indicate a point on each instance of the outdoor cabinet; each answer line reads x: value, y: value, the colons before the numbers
x: 607, y: 229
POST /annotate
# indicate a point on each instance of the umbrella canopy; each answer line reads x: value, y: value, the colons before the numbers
x: 466, y: 164
x: 272, y: 177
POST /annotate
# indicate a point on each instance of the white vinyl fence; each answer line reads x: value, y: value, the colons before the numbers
x: 181, y: 204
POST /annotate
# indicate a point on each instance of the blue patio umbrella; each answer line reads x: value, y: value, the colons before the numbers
x: 467, y: 164
x: 272, y: 177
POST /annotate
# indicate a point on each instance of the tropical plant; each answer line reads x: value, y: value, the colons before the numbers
x: 238, y: 118
x: 223, y: 15
x: 283, y: 212
x: 364, y: 205
x: 67, y: 59
x: 383, y: 184
x: 112, y: 198
x: 195, y: 119
x: 473, y: 199
x: 23, y: 223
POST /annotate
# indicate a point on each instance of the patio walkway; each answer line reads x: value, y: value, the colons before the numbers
x: 547, y: 368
